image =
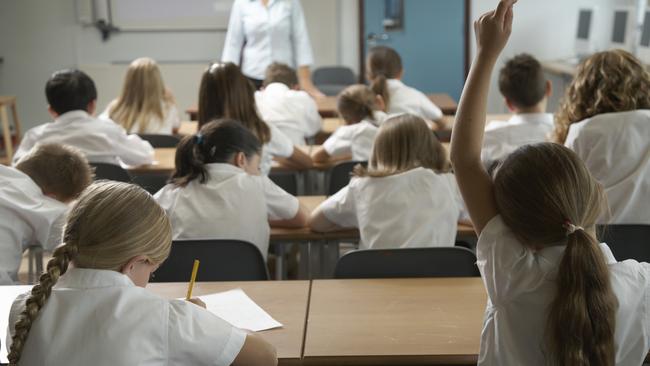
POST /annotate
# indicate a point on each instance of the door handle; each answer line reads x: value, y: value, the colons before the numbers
x: 374, y: 37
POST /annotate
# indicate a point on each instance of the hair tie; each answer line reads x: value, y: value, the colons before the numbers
x: 571, y: 228
x: 198, y: 138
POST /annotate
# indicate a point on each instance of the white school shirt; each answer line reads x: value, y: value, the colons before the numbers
x: 356, y: 139
x: 275, y: 33
x: 99, y: 317
x: 293, y: 112
x: 27, y: 218
x: 102, y: 141
x: 417, y: 208
x: 503, y: 137
x: 232, y: 204
x: 616, y: 149
x: 171, y: 120
x: 520, y: 285
x: 404, y: 99
x: 279, y: 145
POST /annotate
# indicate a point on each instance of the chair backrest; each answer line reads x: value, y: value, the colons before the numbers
x: 408, y: 263
x: 152, y: 183
x: 334, y: 75
x: 627, y: 241
x: 221, y: 260
x: 160, y: 141
x: 341, y: 174
x: 111, y: 172
x: 285, y: 180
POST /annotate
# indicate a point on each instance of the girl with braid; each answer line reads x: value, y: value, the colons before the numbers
x: 91, y: 307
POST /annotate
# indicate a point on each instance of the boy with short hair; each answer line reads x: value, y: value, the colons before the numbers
x: 525, y: 90
x: 72, y: 99
x: 282, y: 104
x: 33, y: 201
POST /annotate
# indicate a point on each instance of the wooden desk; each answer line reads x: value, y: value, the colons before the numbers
x: 286, y: 301
x: 395, y: 322
x: 164, y: 162
x: 188, y: 128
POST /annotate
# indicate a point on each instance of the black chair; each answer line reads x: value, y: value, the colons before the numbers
x: 627, y: 241
x: 152, y: 183
x: 408, y: 263
x: 285, y: 180
x: 340, y: 175
x: 111, y: 172
x: 160, y: 141
x: 333, y: 79
x: 221, y: 260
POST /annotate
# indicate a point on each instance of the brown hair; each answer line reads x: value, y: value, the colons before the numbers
x: 383, y: 63
x: 226, y: 93
x: 280, y: 73
x: 540, y: 189
x: 404, y: 142
x: 111, y: 223
x: 356, y: 103
x: 60, y: 170
x: 522, y: 81
x: 606, y: 82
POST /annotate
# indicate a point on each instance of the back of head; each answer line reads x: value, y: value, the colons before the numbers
x: 522, y: 81
x: 405, y: 142
x: 70, y: 90
x: 543, y: 193
x: 110, y: 224
x: 226, y: 93
x: 59, y: 170
x: 356, y: 103
x: 217, y: 142
x: 142, y: 96
x: 606, y: 82
x: 382, y: 63
x: 280, y: 73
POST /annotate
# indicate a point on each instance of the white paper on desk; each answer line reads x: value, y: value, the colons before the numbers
x: 238, y: 309
x: 7, y: 296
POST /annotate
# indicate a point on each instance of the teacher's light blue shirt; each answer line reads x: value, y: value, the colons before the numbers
x: 275, y: 33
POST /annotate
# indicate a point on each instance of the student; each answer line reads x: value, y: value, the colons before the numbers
x: 526, y: 91
x: 91, y: 306
x: 226, y: 93
x: 555, y: 295
x: 72, y: 99
x: 33, y: 201
x: 283, y: 104
x: 216, y: 191
x: 362, y: 112
x: 605, y: 119
x: 405, y: 198
x: 145, y: 106
x: 384, y: 71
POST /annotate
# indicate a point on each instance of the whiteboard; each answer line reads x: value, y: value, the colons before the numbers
x: 172, y: 15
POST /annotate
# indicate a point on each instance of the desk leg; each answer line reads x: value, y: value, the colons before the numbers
x: 329, y: 257
x: 304, y: 269
x: 6, y: 132
x: 279, y: 261
x: 301, y: 185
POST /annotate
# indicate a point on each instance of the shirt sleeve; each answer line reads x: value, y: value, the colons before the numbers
x: 198, y: 337
x: 340, y: 143
x: 340, y: 208
x: 131, y: 149
x: 235, y: 37
x: 280, y: 145
x: 300, y: 36
x: 313, y: 120
x: 280, y: 205
x: 430, y: 110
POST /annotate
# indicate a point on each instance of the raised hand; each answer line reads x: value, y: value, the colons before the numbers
x: 493, y: 29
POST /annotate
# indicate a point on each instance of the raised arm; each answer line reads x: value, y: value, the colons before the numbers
x: 492, y: 32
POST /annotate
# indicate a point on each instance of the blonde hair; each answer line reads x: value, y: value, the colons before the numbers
x: 110, y: 224
x: 356, y: 103
x: 540, y: 191
x: 606, y: 82
x: 143, y: 96
x: 57, y: 169
x: 404, y: 142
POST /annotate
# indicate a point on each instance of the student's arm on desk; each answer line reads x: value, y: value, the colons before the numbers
x: 298, y: 221
x: 300, y: 159
x: 256, y: 351
x: 320, y: 155
x: 319, y: 222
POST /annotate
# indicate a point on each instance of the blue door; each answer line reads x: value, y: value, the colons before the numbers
x: 430, y: 40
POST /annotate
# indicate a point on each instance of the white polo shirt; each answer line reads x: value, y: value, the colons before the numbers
x: 171, y: 120
x: 102, y: 141
x: 616, y: 149
x: 503, y: 137
x: 273, y: 33
x: 356, y: 140
x: 404, y: 99
x: 27, y: 218
x: 521, y: 284
x: 99, y: 317
x: 279, y: 145
x: 293, y: 112
x: 417, y: 208
x: 230, y: 205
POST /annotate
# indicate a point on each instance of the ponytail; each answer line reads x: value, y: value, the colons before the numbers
x: 380, y: 87
x: 383, y: 63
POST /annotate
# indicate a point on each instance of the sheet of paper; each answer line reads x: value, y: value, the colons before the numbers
x: 7, y: 296
x: 238, y: 309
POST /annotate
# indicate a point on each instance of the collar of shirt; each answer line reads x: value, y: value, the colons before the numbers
x: 268, y: 5
x: 72, y: 116
x: 394, y: 83
x: 84, y: 278
x: 223, y: 168
x: 534, y: 118
x: 276, y: 88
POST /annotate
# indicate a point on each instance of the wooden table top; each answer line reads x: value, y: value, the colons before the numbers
x: 286, y: 301
x: 395, y: 321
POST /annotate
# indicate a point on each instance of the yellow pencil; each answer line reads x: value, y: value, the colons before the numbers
x: 195, y: 269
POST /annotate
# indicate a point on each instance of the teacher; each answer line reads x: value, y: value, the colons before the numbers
x: 261, y: 32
